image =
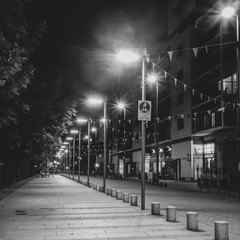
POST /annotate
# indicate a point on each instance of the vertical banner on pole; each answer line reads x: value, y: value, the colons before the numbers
x: 144, y: 110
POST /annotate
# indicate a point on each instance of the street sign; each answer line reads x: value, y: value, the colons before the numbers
x: 144, y: 110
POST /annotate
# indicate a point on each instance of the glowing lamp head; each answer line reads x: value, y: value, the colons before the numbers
x: 81, y: 120
x: 73, y: 131
x: 95, y: 101
x: 127, y: 56
x: 121, y: 105
x: 228, y: 12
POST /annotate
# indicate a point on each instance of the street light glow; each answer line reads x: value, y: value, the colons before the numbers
x: 228, y: 12
x: 69, y: 138
x: 65, y: 143
x: 95, y: 101
x: 73, y: 131
x: 94, y: 129
x: 127, y: 56
x: 152, y: 78
x: 81, y: 120
x: 121, y: 105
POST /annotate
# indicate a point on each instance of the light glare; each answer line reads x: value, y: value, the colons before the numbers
x: 127, y: 56
x: 95, y: 101
x: 81, y: 120
x: 228, y: 12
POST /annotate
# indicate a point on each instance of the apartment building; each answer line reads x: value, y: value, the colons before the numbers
x: 194, y: 134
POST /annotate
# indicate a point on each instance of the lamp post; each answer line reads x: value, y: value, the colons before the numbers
x: 66, y: 151
x: 69, y: 153
x: 227, y: 13
x: 80, y: 121
x: 122, y: 105
x: 74, y: 132
x: 154, y: 79
x: 127, y: 57
x: 99, y: 101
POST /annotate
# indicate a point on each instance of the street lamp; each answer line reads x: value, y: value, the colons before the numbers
x: 69, y: 153
x: 122, y: 106
x: 152, y: 78
x: 66, y: 151
x: 100, y: 101
x: 128, y: 56
x: 229, y: 12
x: 74, y: 132
x: 80, y: 121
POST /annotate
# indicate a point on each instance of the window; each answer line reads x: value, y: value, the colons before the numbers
x: 229, y: 84
x: 180, y: 123
x: 180, y: 99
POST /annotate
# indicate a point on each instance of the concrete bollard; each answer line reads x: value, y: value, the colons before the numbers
x: 90, y: 185
x: 171, y: 214
x: 192, y: 221
x: 119, y: 195
x: 133, y: 200
x: 114, y: 192
x: 221, y: 230
x: 97, y: 188
x: 126, y: 197
x: 155, y: 207
x: 109, y: 191
x: 100, y: 189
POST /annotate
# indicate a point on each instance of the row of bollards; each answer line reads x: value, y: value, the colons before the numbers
x: 221, y: 228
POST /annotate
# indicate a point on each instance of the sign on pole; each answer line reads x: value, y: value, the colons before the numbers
x: 144, y: 110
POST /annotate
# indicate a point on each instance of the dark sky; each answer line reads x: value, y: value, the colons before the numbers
x: 83, y: 35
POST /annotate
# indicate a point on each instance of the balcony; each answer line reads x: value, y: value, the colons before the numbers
x: 205, y: 122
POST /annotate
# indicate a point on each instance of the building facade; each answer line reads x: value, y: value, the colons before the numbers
x: 193, y: 135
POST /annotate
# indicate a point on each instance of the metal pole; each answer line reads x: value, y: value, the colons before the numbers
x: 105, y: 143
x: 79, y: 153
x: 69, y: 159
x: 143, y: 141
x: 88, y: 166
x: 124, y: 143
x: 156, y: 134
x: 238, y: 100
x: 73, y: 161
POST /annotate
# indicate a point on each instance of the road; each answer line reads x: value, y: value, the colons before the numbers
x: 185, y: 196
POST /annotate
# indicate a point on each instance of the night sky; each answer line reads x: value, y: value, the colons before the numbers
x: 83, y: 36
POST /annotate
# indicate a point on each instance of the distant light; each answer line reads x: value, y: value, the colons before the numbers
x: 74, y: 131
x: 65, y: 143
x: 69, y: 138
x: 95, y: 101
x: 86, y: 137
x: 82, y: 120
x: 127, y: 56
x: 152, y: 78
x: 121, y: 105
x: 94, y: 129
x: 103, y: 120
x: 228, y: 12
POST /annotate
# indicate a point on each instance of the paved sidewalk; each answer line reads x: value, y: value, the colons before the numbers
x: 59, y: 208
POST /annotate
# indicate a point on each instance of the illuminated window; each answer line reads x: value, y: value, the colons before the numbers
x: 209, y: 148
x: 228, y: 84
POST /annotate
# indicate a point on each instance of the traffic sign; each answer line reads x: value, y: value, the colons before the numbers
x: 144, y: 110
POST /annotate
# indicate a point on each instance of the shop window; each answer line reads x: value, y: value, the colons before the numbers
x: 209, y: 148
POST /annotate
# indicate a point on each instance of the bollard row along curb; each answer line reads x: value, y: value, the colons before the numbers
x: 221, y: 228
